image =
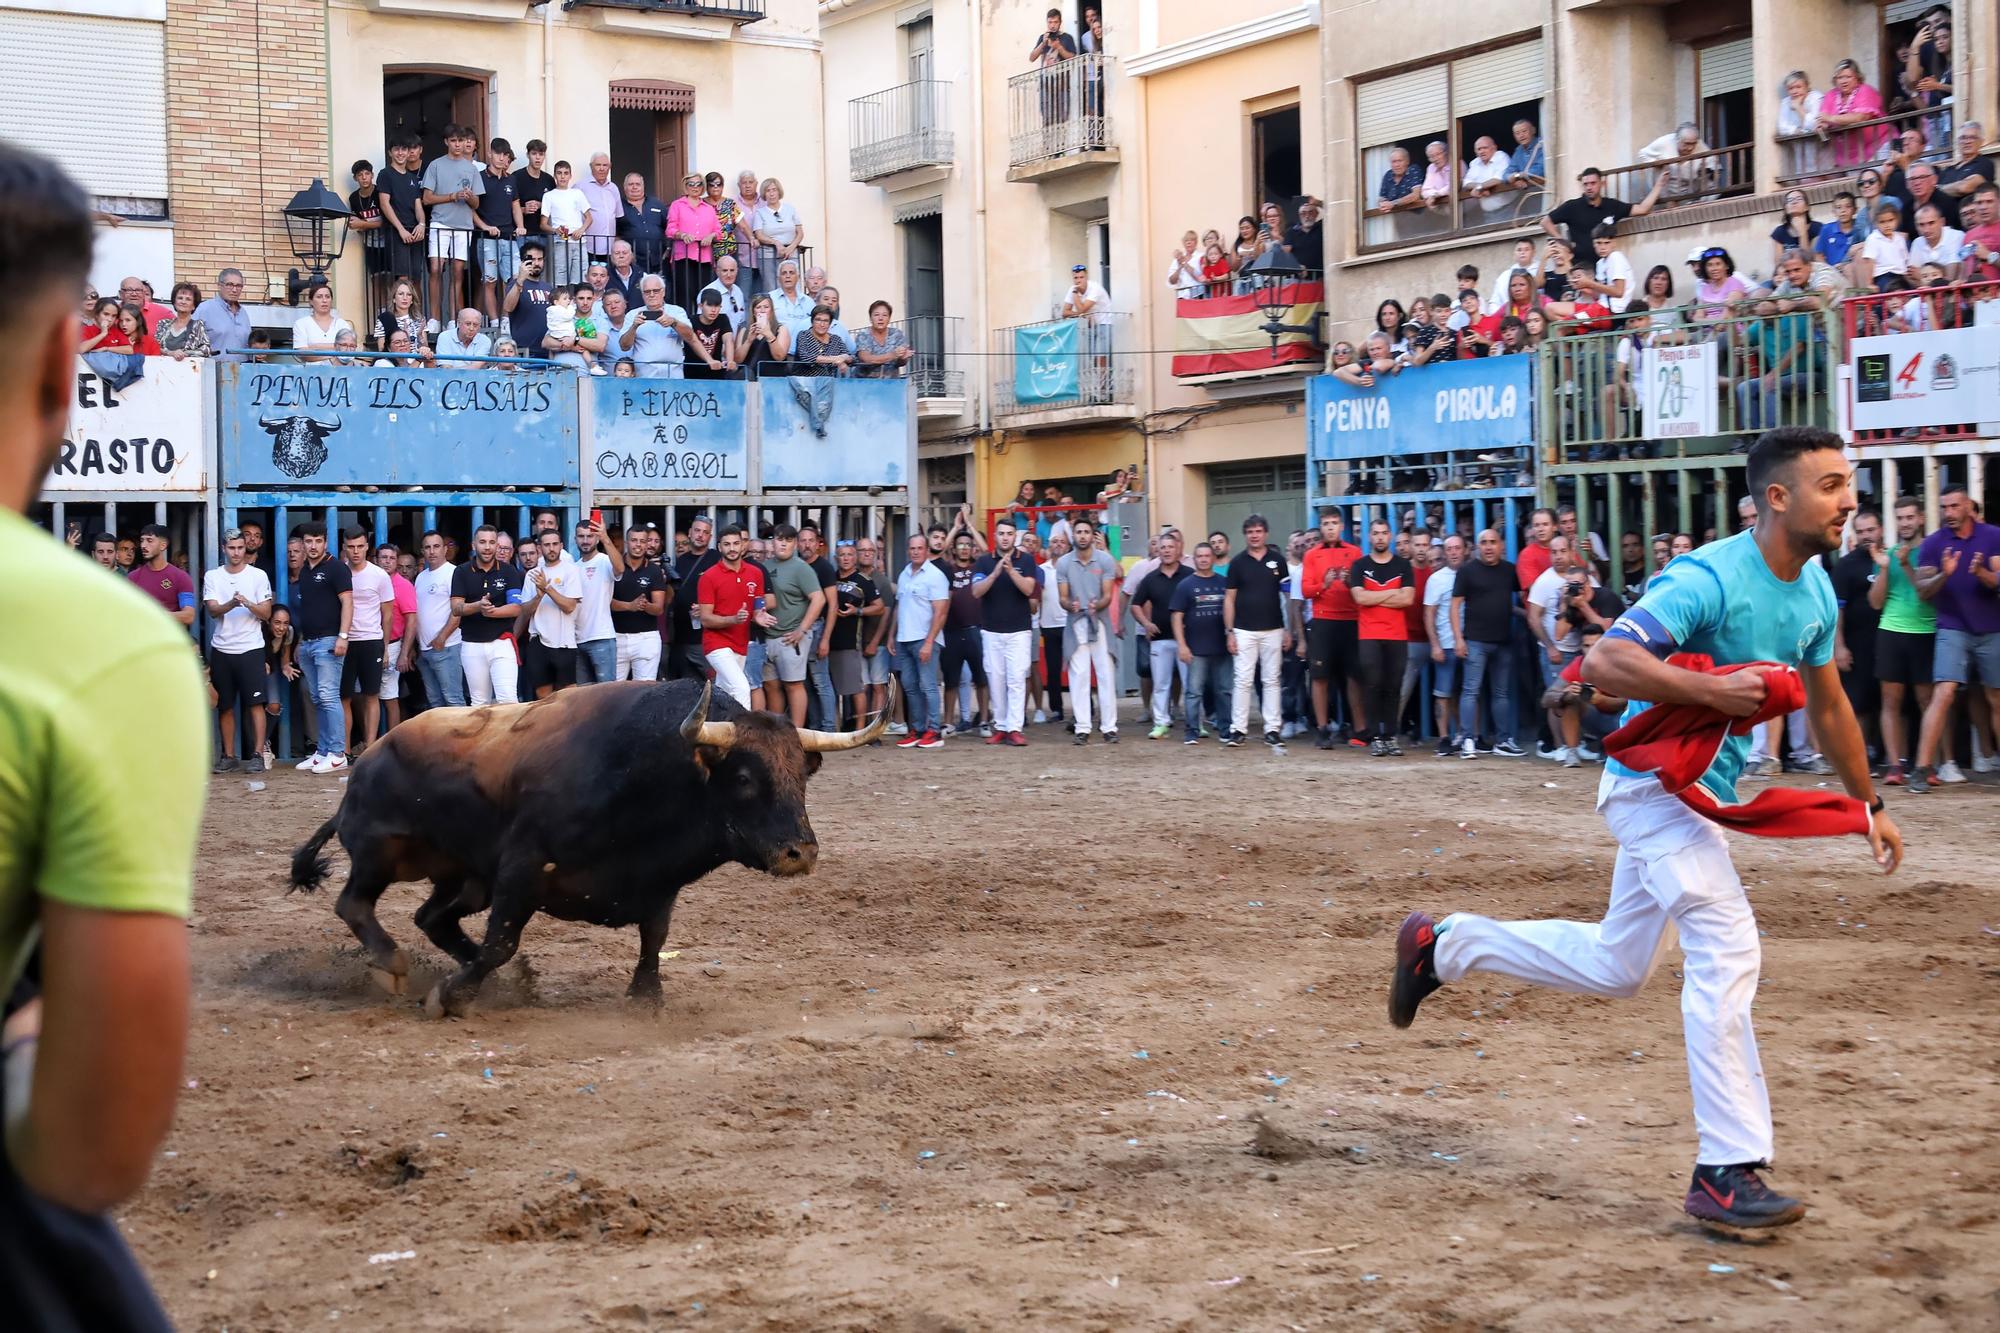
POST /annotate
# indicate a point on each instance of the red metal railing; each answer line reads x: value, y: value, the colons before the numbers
x: 1879, y: 314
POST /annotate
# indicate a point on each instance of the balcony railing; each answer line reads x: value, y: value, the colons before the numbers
x: 899, y: 129
x: 937, y: 341
x: 1830, y: 154
x: 743, y: 11
x: 1064, y: 364
x: 1697, y: 178
x: 1058, y: 111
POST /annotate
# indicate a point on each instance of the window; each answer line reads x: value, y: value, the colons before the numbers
x: 1275, y: 145
x: 1724, y: 83
x: 1424, y: 129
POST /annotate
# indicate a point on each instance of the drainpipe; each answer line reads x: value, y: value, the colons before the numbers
x: 548, y: 68
x: 981, y: 331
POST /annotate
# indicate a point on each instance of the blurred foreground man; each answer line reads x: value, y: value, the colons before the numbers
x: 94, y: 885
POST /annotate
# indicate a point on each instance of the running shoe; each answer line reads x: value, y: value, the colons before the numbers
x: 309, y: 764
x: 1040, y: 717
x: 1082, y: 738
x: 1392, y: 747
x: 1571, y: 759
x: 1272, y: 739
x: 1016, y: 738
x: 1376, y: 749
x: 1191, y: 739
x: 1949, y: 774
x: 1735, y: 1198
x: 997, y: 738
x: 911, y: 739
x: 1416, y: 975
x: 985, y: 729
x: 1468, y: 749
x: 1232, y: 739
x: 1549, y: 752
x: 1764, y: 766
x: 1508, y: 750
x: 1446, y: 749
x: 333, y: 763
x: 1328, y: 739
x: 1159, y: 732
x: 1921, y: 780
x: 1894, y: 777
x: 949, y: 730
x: 224, y: 763
x: 1355, y: 742
x: 1111, y: 737
x: 930, y: 741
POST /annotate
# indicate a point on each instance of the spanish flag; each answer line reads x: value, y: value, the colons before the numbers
x: 1224, y: 335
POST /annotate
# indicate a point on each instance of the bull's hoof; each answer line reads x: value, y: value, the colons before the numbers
x: 394, y: 983
x: 444, y: 1003
x: 651, y: 999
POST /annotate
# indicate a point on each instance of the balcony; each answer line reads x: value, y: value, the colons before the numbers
x: 1065, y: 371
x: 938, y: 342
x: 619, y: 13
x: 1221, y: 338
x: 1695, y: 178
x: 1835, y: 154
x: 899, y: 129
x: 1058, y: 120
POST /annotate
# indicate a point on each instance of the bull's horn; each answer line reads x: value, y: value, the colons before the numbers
x: 823, y: 741
x: 698, y: 730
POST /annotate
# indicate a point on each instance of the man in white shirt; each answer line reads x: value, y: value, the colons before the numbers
x: 361, y: 670
x: 431, y: 639
x: 238, y: 595
x: 1437, y: 628
x: 463, y: 342
x: 1184, y: 270
x: 734, y: 306
x: 1691, y: 173
x: 656, y: 335
x: 1085, y: 298
x: 551, y: 609
x: 1937, y: 243
x: 596, y: 644
x: 566, y: 216
x: 1486, y: 176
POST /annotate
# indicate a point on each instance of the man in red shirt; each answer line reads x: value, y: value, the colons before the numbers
x: 1384, y: 586
x: 1331, y: 642
x: 164, y: 582
x: 1422, y: 554
x: 729, y: 597
x: 1982, y: 234
x: 1533, y: 560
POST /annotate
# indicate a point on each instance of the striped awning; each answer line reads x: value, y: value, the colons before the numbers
x: 651, y: 95
x: 1225, y: 334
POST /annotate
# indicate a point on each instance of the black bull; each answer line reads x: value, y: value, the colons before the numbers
x: 596, y: 805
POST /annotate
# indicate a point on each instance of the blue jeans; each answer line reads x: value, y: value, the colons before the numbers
x: 322, y: 673
x: 1758, y: 406
x: 1209, y: 691
x: 822, y: 708
x: 118, y: 369
x: 597, y: 660
x: 444, y: 678
x: 1480, y: 658
x: 923, y: 699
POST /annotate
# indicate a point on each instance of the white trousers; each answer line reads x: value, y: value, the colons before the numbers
x: 1166, y: 659
x: 638, y: 656
x: 1255, y: 649
x: 1096, y: 653
x: 727, y: 664
x: 491, y: 670
x: 1007, y: 675
x: 1673, y: 871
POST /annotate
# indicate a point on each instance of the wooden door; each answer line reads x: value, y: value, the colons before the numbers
x: 468, y: 107
x: 669, y: 153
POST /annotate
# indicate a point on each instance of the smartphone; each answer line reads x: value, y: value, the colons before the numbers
x: 597, y: 518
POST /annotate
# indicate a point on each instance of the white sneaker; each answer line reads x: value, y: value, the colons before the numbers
x: 1986, y: 763
x: 896, y: 729
x: 1040, y: 717
x: 597, y: 369
x: 333, y: 763
x: 1555, y: 753
x: 309, y: 764
x: 947, y: 730
x: 1949, y: 772
x: 985, y: 728
x: 1467, y: 749
x: 1571, y: 759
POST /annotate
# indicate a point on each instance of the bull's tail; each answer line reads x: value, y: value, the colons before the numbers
x: 309, y: 863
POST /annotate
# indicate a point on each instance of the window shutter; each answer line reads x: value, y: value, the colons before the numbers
x: 90, y: 93
x: 1904, y: 10
x: 1725, y: 68
x: 1498, y: 78
x: 1402, y: 106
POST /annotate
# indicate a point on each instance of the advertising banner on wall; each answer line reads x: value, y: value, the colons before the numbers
x: 835, y: 433
x: 146, y: 436
x: 325, y: 425
x: 1943, y: 377
x: 1485, y: 404
x: 1045, y: 362
x: 669, y: 435
x: 1678, y: 383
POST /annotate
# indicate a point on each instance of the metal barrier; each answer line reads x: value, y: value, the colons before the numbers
x: 1065, y: 363
x: 1829, y: 154
x: 936, y: 342
x: 1058, y: 111
x: 1694, y: 387
x: 1692, y: 178
x: 899, y: 129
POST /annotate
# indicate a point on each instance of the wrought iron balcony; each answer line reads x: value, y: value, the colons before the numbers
x: 1058, y: 118
x: 899, y: 129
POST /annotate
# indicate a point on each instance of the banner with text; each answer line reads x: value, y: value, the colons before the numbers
x: 1484, y: 404
x: 1045, y: 369
x: 826, y: 433
x: 669, y: 435
x: 1944, y: 377
x: 1679, y: 388
x: 146, y: 436
x: 321, y: 426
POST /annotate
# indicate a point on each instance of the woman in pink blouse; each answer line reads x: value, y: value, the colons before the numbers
x: 692, y: 228
x: 1851, y: 102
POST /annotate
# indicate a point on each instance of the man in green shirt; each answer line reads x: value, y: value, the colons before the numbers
x: 798, y: 603
x: 95, y: 873
x: 1906, y: 638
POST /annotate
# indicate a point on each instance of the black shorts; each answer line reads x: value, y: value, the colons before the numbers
x: 406, y: 260
x: 1333, y: 648
x: 361, y: 669
x: 542, y: 665
x: 1904, y: 659
x: 238, y: 678
x: 375, y: 259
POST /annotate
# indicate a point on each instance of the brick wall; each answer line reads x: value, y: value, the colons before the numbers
x: 246, y: 130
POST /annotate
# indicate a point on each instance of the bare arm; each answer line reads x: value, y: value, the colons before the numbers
x: 1624, y: 668
x: 1833, y: 723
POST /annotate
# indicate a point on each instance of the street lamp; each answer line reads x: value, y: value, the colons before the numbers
x: 315, y: 216
x: 1274, y: 271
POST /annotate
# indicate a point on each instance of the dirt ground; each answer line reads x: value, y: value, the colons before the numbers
x: 1084, y: 1039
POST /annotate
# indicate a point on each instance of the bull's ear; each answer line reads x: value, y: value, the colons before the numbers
x: 813, y: 761
x: 708, y: 758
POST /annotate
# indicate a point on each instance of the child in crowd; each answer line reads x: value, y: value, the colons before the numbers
x: 1215, y: 268
x: 565, y: 324
x: 1886, y: 252
x: 624, y: 370
x: 1836, y: 238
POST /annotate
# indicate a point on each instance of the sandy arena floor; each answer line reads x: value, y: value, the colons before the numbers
x: 1084, y: 1039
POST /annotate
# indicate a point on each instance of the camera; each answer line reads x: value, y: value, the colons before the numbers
x: 1574, y: 588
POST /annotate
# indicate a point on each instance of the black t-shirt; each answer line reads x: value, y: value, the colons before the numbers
x: 320, y: 587
x: 502, y: 584
x: 1954, y: 172
x: 1488, y: 591
x: 368, y: 208
x: 1897, y: 185
x: 1556, y: 286
x: 1308, y: 246
x: 965, y: 611
x: 1008, y: 610
x: 856, y: 590
x: 405, y: 191
x: 710, y: 336
x: 496, y: 206
x: 1579, y: 217
x: 529, y: 190
x: 1853, y: 575
x: 636, y: 582
x: 1156, y: 594
x: 1633, y: 580
x: 688, y: 570
x: 1259, y: 588
x: 529, y: 322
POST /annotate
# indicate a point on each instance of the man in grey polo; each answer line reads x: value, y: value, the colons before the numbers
x: 223, y: 315
x: 1087, y: 581
x: 798, y: 604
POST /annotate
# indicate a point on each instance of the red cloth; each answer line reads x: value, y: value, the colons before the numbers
x: 1676, y: 743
